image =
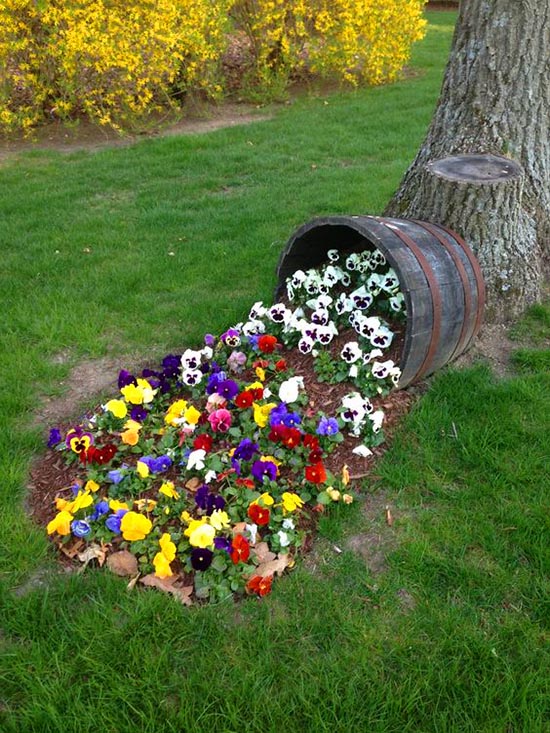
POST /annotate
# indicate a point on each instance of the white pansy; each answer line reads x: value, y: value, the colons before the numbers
x: 343, y: 304
x: 191, y: 359
x: 381, y: 369
x: 257, y: 311
x: 284, y: 539
x: 352, y: 261
x: 210, y: 476
x: 207, y: 352
x: 351, y: 352
x: 389, y: 281
x: 397, y: 302
x: 377, y: 418
x: 333, y: 255
x: 325, y: 334
x: 290, y: 389
x: 279, y: 313
x: 288, y: 524
x: 322, y: 301
x: 331, y: 276
x: 298, y: 279
x: 191, y: 377
x: 305, y: 345
x: 373, y: 284
x: 369, y: 327
x: 372, y: 355
x: 252, y: 530
x: 382, y: 338
x: 361, y: 298
x: 251, y: 328
x: 196, y: 460
x: 353, y: 371
x: 320, y: 317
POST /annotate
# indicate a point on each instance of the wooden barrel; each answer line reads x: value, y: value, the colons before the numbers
x: 439, y: 276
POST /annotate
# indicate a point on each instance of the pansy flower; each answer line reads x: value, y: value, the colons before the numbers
x: 316, y: 473
x: 267, y: 344
x: 78, y: 439
x: 260, y: 515
x: 231, y: 337
x: 264, y: 469
x: 259, y: 585
x: 220, y: 420
x: 351, y: 352
x: 327, y: 426
x: 201, y: 558
x: 240, y: 549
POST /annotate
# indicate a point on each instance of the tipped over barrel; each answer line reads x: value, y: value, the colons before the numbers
x: 439, y: 276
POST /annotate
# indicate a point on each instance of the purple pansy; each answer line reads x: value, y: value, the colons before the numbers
x: 113, y: 522
x: 201, y: 558
x: 245, y: 450
x: 327, y: 426
x: 125, y: 378
x: 228, y: 389
x: 80, y: 528
x: 264, y: 469
x: 54, y: 437
x: 101, y: 508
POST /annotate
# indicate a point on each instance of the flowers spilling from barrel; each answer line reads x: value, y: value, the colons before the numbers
x: 205, y: 475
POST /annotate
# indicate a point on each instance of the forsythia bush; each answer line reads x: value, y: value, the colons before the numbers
x: 113, y: 60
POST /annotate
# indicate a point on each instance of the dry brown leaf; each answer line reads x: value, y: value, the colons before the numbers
x: 182, y: 593
x: 122, y: 563
x: 239, y: 528
x: 132, y: 582
x: 93, y: 552
x: 274, y: 567
x: 193, y: 483
x: 71, y: 552
x: 263, y: 553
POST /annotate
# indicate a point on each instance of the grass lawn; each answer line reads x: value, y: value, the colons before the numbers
x: 135, y: 252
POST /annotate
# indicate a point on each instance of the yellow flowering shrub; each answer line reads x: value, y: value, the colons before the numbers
x: 110, y: 60
x: 113, y: 61
x: 348, y: 40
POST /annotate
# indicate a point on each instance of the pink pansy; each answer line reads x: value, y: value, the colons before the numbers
x: 220, y: 420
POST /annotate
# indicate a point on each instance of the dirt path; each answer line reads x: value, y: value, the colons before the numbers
x: 89, y: 137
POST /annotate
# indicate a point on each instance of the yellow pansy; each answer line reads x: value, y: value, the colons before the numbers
x: 169, y: 490
x: 162, y: 566
x: 117, y: 408
x: 61, y: 504
x: 200, y: 534
x: 146, y: 505
x: 81, y: 501
x: 168, y: 548
x: 61, y: 523
x: 115, y: 505
x: 255, y: 385
x: 260, y: 373
x: 139, y: 394
x: 219, y: 519
x: 142, y: 469
x: 291, y: 502
x: 131, y: 435
x: 135, y: 526
x: 192, y: 415
x: 175, y: 410
x: 91, y: 486
x: 266, y: 499
x: 261, y: 413
x: 186, y: 517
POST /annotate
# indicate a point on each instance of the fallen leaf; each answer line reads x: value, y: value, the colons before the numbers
x: 182, y: 593
x: 263, y: 553
x: 274, y: 567
x: 239, y: 528
x: 132, y: 582
x: 122, y: 563
x: 193, y: 484
x: 93, y: 552
x: 71, y: 552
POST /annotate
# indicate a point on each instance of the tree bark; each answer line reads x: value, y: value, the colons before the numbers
x: 495, y: 99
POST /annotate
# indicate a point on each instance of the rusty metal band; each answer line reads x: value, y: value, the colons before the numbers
x: 478, y: 277
x: 468, y: 301
x: 434, y: 292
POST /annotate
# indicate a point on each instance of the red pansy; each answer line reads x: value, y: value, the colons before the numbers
x: 280, y: 365
x: 244, y: 399
x: 240, y: 551
x: 316, y: 473
x: 203, y: 442
x: 259, y: 514
x: 259, y: 585
x: 267, y: 344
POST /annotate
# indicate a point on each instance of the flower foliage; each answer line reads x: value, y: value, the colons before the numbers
x: 113, y: 61
x: 202, y: 466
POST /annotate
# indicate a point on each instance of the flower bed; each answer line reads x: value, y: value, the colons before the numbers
x: 204, y: 477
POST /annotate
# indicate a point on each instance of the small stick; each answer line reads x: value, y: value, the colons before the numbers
x: 389, y: 518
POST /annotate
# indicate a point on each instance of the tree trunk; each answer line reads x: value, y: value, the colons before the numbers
x: 495, y: 99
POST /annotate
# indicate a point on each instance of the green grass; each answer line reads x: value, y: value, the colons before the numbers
x: 453, y: 636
